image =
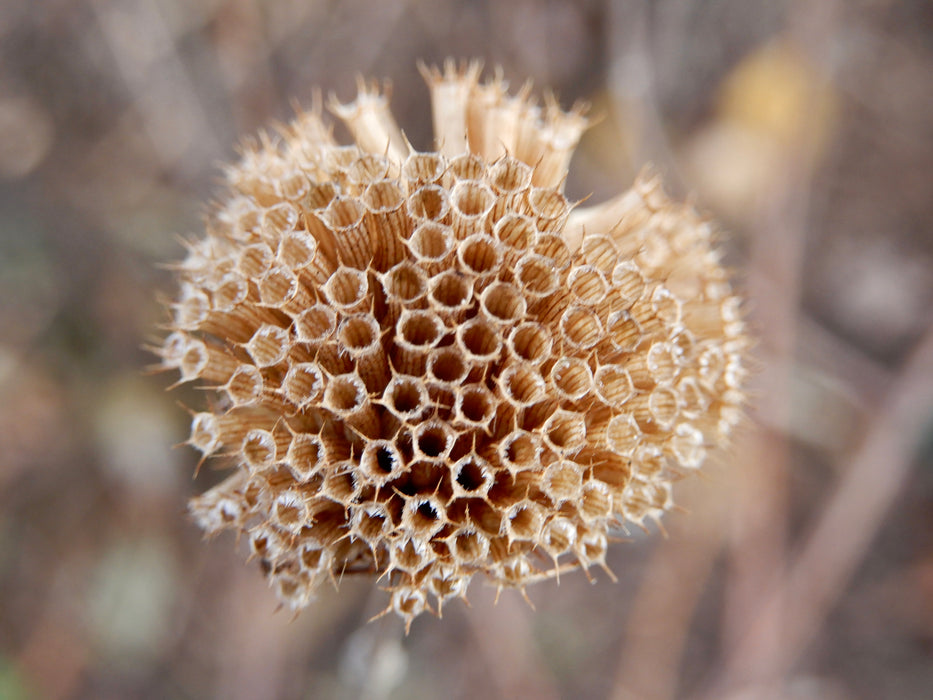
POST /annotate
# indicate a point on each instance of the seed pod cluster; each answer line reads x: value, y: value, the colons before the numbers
x: 432, y: 365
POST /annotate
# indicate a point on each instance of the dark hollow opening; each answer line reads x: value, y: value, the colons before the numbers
x: 470, y: 476
x: 432, y: 442
x: 385, y: 460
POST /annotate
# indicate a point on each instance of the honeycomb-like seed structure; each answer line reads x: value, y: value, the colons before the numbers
x: 431, y: 366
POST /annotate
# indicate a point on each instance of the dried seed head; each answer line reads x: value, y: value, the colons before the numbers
x: 432, y: 365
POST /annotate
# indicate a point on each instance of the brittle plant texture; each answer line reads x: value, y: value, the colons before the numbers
x: 430, y: 366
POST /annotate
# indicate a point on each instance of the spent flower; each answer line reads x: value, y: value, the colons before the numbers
x: 432, y: 365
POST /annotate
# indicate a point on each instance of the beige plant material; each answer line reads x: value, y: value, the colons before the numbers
x: 429, y: 366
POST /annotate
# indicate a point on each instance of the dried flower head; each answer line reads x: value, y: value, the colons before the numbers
x: 432, y: 365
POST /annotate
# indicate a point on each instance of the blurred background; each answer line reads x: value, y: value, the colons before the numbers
x: 801, y: 565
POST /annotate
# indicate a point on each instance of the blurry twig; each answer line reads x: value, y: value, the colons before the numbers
x: 777, y: 261
x: 669, y: 592
x: 633, y: 89
x: 759, y: 522
x: 842, y: 361
x: 173, y: 112
x: 850, y: 520
x: 505, y: 641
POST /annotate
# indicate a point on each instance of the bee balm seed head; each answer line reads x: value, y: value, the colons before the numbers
x: 433, y: 366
